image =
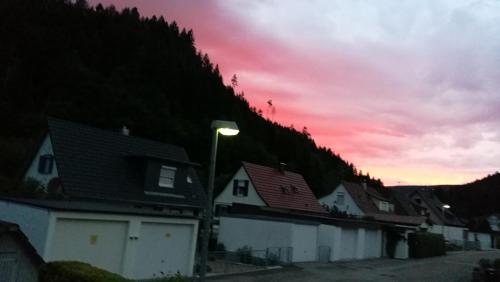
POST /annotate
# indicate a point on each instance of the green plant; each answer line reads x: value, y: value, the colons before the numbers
x: 75, y: 271
x: 177, y: 277
x: 220, y: 247
x: 244, y: 254
x: 425, y: 244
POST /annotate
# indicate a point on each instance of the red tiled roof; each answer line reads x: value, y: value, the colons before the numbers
x: 270, y: 184
x: 396, y: 218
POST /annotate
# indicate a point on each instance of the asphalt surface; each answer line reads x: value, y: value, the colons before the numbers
x: 455, y: 266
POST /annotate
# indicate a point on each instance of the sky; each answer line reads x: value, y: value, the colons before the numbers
x: 406, y: 90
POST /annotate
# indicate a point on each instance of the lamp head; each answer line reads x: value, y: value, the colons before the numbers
x: 446, y: 206
x: 224, y: 127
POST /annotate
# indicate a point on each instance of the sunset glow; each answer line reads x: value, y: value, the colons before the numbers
x: 406, y: 90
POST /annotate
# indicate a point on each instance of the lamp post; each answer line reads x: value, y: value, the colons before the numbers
x: 445, y: 206
x: 228, y: 128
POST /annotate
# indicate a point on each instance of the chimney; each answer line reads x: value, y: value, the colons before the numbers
x: 125, y: 131
x: 281, y: 167
x: 364, y: 185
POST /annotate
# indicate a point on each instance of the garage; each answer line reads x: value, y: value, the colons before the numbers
x: 163, y: 249
x: 373, y: 243
x: 348, y: 238
x: 304, y: 242
x: 98, y: 242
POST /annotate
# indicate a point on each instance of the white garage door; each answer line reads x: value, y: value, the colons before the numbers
x: 100, y: 243
x: 304, y: 242
x: 349, y: 237
x: 373, y: 244
x: 163, y: 249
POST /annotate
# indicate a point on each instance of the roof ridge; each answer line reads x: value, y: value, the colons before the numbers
x: 110, y: 131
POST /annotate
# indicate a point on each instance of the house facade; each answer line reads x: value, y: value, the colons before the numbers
x: 359, y: 201
x: 122, y: 203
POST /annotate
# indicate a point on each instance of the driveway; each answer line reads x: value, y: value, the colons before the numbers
x: 456, y: 266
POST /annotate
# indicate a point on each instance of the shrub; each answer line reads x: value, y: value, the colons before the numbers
x: 75, y: 271
x: 496, y: 263
x: 176, y: 278
x: 245, y: 254
x: 425, y: 244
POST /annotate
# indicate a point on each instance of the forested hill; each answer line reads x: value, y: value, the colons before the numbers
x: 109, y: 68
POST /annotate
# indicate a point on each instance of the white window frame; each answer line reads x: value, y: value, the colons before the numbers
x: 160, y: 177
x: 384, y: 206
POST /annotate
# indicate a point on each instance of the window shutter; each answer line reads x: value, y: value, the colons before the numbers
x: 235, y: 187
x: 246, y: 188
x: 41, y: 164
x: 51, y: 164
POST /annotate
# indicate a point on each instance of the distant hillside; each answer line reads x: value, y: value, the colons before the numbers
x: 475, y: 199
x: 106, y: 68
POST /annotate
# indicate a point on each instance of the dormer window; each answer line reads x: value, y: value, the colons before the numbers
x: 45, y: 164
x: 240, y: 188
x: 167, y: 176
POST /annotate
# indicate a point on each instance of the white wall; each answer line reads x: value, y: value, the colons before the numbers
x: 484, y: 239
x: 226, y: 197
x: 451, y: 233
x: 349, y: 205
x: 402, y: 249
x: 33, y: 221
x: 349, y: 241
x: 235, y: 233
x: 373, y: 243
x: 32, y: 172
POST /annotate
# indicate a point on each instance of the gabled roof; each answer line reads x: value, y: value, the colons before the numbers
x: 99, y: 164
x: 282, y: 190
x: 403, y: 196
x: 15, y: 231
x: 362, y: 197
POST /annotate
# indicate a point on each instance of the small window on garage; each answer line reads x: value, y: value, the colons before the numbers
x: 167, y: 176
x: 45, y: 164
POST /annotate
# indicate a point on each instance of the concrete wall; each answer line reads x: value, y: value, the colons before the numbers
x: 14, y: 256
x: 33, y: 221
x: 349, y: 205
x: 32, y: 172
x: 235, y: 233
x: 226, y: 197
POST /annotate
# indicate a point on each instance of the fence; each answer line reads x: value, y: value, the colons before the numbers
x: 247, y: 259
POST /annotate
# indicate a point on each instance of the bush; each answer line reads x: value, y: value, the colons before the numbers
x: 424, y: 244
x: 245, y: 254
x: 75, y: 271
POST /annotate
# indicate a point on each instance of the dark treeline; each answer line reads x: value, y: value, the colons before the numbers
x: 109, y: 68
x: 475, y: 199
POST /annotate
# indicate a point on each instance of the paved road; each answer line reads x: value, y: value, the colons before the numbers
x: 456, y: 266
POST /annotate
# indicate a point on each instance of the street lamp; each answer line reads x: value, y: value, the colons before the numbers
x: 228, y: 128
x: 444, y: 207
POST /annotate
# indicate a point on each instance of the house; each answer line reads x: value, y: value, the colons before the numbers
x: 19, y: 261
x: 360, y: 201
x: 421, y: 201
x: 272, y: 192
x: 122, y: 203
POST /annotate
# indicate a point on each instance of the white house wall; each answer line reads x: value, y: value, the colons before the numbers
x: 226, y: 197
x: 483, y: 239
x: 92, y: 232
x: 349, y: 205
x: 33, y: 222
x: 258, y: 234
x: 451, y: 233
x: 32, y: 172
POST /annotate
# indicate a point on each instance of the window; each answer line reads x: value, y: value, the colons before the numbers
x: 340, y: 198
x: 167, y: 177
x: 384, y: 206
x: 45, y: 164
x: 240, y: 188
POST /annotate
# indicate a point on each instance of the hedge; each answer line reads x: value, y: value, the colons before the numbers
x: 425, y: 244
x: 75, y: 271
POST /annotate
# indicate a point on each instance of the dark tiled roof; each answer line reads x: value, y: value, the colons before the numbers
x: 362, y: 197
x: 404, y: 197
x: 104, y: 165
x: 270, y: 183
